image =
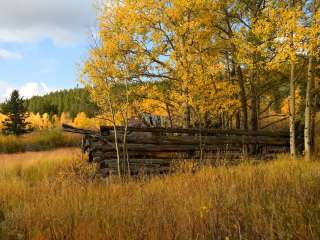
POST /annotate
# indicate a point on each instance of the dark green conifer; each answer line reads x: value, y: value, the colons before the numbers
x: 16, y: 113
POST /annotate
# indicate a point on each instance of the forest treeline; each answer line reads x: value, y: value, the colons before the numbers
x: 73, y: 106
x: 72, y: 101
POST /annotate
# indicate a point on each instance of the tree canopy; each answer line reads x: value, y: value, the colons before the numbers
x: 219, y: 63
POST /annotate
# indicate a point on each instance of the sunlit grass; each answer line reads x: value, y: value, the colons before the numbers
x: 38, y: 141
x: 35, y: 166
x: 51, y: 195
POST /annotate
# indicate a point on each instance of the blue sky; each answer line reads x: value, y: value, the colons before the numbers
x: 41, y: 44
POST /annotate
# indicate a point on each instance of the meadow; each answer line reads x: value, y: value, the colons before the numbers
x: 39, y: 140
x: 52, y: 195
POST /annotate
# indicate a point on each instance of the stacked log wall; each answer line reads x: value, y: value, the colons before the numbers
x: 153, y: 150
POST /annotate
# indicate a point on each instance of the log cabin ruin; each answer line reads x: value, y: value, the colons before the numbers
x: 156, y: 150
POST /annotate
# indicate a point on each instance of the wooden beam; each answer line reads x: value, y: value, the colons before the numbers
x: 195, y: 141
x: 105, y: 130
x: 68, y: 128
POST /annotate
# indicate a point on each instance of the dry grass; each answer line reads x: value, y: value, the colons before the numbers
x: 33, y: 167
x: 276, y: 200
x: 38, y: 141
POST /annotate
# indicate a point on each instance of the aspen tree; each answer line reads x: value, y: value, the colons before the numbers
x: 312, y: 34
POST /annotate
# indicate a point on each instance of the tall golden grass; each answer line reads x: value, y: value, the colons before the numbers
x: 38, y: 141
x: 51, y: 195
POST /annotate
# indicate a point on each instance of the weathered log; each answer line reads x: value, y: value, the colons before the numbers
x: 68, y: 128
x: 153, y: 156
x: 107, y: 147
x: 135, y: 171
x: 140, y: 161
x: 157, y: 148
x: 106, y: 130
x: 141, y: 155
x: 150, y: 154
x: 206, y: 140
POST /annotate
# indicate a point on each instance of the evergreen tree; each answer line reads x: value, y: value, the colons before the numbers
x: 72, y: 101
x: 16, y: 113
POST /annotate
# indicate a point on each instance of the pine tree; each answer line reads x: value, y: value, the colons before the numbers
x: 16, y: 113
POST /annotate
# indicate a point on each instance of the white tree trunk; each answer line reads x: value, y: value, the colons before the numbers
x: 308, y: 112
x: 292, y: 112
x: 315, y: 85
x: 115, y: 134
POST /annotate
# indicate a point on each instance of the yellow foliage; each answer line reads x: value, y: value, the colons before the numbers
x: 282, y: 26
x: 65, y: 118
x: 82, y: 121
x: 141, y: 40
x: 38, y: 121
x: 2, y: 118
x: 298, y: 101
x: 42, y: 122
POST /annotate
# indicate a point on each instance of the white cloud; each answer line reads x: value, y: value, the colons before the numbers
x: 27, y: 90
x: 63, y: 21
x: 33, y: 88
x: 8, y: 55
x: 3, y: 90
